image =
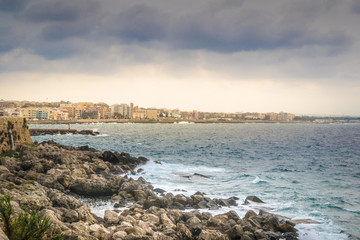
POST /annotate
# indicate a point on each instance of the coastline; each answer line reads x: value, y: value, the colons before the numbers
x: 87, y: 121
x: 47, y: 176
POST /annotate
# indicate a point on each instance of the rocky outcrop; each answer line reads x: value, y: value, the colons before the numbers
x: 13, y: 132
x: 40, y: 131
x: 49, y: 177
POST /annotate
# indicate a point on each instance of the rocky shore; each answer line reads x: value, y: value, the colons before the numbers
x: 40, y: 131
x: 51, y: 177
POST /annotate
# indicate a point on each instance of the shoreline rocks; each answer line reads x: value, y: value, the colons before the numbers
x: 50, y: 177
x: 51, y: 131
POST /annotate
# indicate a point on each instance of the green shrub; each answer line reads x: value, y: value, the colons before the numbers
x: 28, y: 225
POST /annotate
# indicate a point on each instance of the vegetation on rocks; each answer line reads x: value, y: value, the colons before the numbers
x: 27, y: 225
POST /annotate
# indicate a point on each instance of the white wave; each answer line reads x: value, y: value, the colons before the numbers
x: 103, y: 135
x: 184, y: 122
x: 258, y: 180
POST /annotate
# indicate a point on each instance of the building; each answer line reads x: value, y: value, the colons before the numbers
x: 286, y: 116
x: 41, y: 115
x: 138, y: 114
x: 29, y: 113
x: 151, y: 114
x: 272, y: 116
x: 120, y: 110
x: 131, y: 110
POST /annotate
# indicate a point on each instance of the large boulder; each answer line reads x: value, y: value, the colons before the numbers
x: 94, y: 188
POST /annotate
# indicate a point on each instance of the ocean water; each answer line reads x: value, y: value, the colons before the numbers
x: 301, y: 171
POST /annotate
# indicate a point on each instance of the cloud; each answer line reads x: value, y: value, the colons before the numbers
x: 225, y: 26
x: 138, y: 23
x: 237, y: 38
x: 12, y: 5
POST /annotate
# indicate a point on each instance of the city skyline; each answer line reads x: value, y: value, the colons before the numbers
x: 212, y: 56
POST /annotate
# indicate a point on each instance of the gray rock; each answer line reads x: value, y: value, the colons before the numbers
x: 252, y: 199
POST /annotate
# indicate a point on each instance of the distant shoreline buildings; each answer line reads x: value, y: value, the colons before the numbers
x: 88, y: 110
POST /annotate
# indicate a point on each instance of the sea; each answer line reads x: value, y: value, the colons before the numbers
x: 301, y: 171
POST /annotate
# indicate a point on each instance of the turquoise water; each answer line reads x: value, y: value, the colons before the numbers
x: 299, y: 170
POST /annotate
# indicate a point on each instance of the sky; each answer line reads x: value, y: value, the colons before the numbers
x: 210, y: 55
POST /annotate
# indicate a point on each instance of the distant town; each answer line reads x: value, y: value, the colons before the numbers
x: 87, y: 111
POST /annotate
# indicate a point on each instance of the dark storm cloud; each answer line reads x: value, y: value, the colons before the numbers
x: 138, y: 23
x: 223, y: 26
x: 7, y: 40
x: 12, y: 5
x: 58, y: 11
x: 53, y: 11
x: 356, y: 7
x: 59, y: 31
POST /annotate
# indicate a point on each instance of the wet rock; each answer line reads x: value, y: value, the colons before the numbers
x: 200, y: 175
x: 287, y: 228
x: 252, y: 199
x: 250, y: 214
x: 109, y: 156
x: 159, y: 190
x: 352, y: 236
x: 233, y: 215
x: 196, y: 199
x: 290, y: 236
x: 202, y: 204
x: 270, y: 223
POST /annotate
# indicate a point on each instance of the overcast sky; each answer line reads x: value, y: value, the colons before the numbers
x: 210, y: 55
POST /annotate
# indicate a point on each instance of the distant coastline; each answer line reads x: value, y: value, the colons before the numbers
x: 86, y: 121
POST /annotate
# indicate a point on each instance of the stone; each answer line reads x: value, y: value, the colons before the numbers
x: 183, y: 232
x: 196, y: 199
x: 99, y: 231
x: 111, y: 217
x: 235, y: 232
x: 166, y: 221
x: 94, y: 188
x: 151, y: 218
x: 287, y: 228
x: 249, y: 214
x: 3, y: 235
x: 232, y: 215
x: 159, y: 190
x: 246, y: 237
x: 119, y: 235
x: 252, y: 199
x: 71, y: 216
x: 212, y: 235
x: 270, y: 223
x: 260, y: 234
x: 137, y: 231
